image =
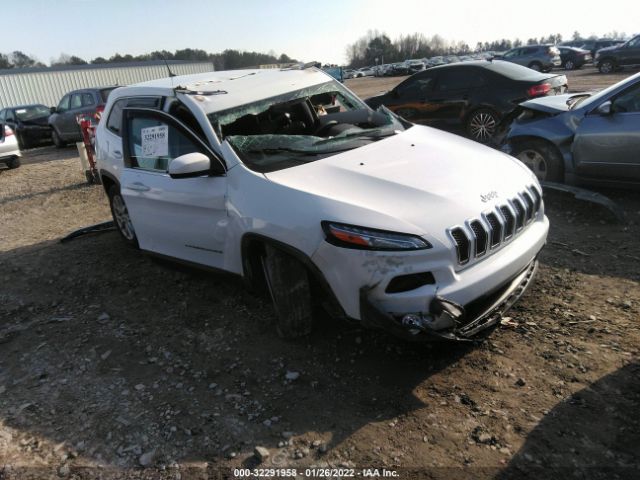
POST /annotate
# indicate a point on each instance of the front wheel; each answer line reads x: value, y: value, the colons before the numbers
x: 481, y: 125
x: 290, y: 289
x: 57, y: 140
x: 569, y: 65
x: 121, y: 216
x: 606, y: 66
x: 541, y: 158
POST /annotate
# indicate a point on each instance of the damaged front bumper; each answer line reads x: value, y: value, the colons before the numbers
x: 447, y: 320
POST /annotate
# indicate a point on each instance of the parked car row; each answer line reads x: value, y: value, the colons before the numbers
x: 608, y: 55
x: 475, y: 95
x: 37, y: 124
x: 576, y: 138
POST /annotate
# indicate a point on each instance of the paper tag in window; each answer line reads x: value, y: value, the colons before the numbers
x: 155, y: 141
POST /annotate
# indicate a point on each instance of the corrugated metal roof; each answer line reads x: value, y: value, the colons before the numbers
x: 48, y: 85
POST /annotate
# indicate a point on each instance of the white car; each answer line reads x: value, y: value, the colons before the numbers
x: 9, y: 150
x: 286, y: 178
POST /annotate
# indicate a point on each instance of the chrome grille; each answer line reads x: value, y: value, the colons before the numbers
x: 480, y: 235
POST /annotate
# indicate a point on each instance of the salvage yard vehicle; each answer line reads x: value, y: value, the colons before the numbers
x: 541, y: 58
x: 581, y: 138
x: 63, y: 122
x: 574, y: 58
x: 9, y: 149
x: 619, y: 56
x: 475, y: 95
x: 289, y: 180
x: 29, y: 123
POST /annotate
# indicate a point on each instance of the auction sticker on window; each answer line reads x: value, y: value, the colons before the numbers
x: 155, y: 141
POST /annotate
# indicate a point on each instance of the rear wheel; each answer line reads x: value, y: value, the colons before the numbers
x: 569, y: 65
x: 542, y: 158
x: 57, y: 140
x: 121, y: 216
x: 537, y: 66
x: 290, y: 289
x: 481, y: 125
x: 606, y: 66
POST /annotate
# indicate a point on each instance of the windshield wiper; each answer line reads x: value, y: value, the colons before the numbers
x: 274, y: 150
x: 374, y: 136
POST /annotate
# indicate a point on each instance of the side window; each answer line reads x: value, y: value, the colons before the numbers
x: 114, y: 122
x: 416, y: 86
x: 629, y: 101
x: 87, y: 99
x: 635, y: 43
x: 512, y: 53
x: 2, y: 115
x: 153, y: 144
x: 63, y: 106
x: 453, y: 80
x: 9, y: 116
x: 76, y: 101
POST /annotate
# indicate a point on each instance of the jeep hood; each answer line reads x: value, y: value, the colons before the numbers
x: 421, y: 176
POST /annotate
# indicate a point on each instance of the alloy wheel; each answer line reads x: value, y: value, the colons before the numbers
x: 121, y: 215
x: 606, y: 67
x: 569, y: 65
x: 482, y: 126
x: 535, y: 161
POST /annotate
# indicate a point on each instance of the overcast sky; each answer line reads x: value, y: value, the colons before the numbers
x: 307, y: 30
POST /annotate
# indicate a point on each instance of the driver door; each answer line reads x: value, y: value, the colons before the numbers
x: 411, y: 102
x: 608, y: 145
x: 184, y: 218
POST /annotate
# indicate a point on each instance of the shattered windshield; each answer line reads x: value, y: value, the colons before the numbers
x: 302, y: 126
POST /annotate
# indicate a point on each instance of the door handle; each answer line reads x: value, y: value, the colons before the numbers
x: 117, y: 153
x: 138, y: 187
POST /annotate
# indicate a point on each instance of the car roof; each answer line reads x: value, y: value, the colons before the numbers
x: 220, y: 90
x: 26, y: 106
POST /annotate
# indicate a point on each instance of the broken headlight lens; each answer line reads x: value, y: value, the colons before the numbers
x: 351, y: 236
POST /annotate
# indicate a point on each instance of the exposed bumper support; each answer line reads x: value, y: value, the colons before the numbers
x: 445, y: 319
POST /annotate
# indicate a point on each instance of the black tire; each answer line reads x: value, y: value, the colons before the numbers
x: 537, y: 66
x: 290, y: 289
x: 606, y: 65
x: 121, y: 216
x: 542, y: 158
x: 57, y: 140
x: 481, y: 125
x: 569, y: 65
x: 13, y: 162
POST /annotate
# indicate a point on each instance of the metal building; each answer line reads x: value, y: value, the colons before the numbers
x: 47, y: 85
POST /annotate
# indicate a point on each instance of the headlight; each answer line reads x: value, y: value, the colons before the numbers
x: 361, y: 238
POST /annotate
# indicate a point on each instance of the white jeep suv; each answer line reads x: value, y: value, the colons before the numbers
x: 288, y: 179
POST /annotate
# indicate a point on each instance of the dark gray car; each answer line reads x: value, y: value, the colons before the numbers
x: 581, y: 138
x: 64, y: 125
x: 541, y: 58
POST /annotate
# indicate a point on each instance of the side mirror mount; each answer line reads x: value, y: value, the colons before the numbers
x: 604, y: 108
x: 52, y: 109
x: 190, y: 165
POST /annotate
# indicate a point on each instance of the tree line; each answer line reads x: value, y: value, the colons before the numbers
x: 226, y: 60
x: 377, y: 47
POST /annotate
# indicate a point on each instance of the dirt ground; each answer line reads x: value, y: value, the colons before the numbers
x: 111, y: 361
